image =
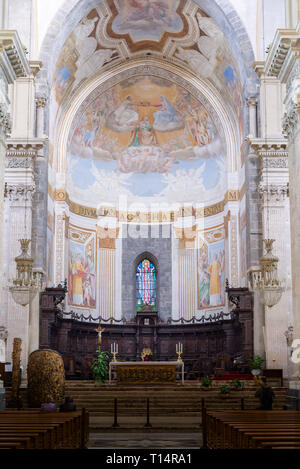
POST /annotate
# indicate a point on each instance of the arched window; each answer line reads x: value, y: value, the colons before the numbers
x: 145, y: 284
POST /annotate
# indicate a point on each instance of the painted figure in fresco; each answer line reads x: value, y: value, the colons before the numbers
x: 78, y: 274
x: 146, y: 283
x: 167, y: 117
x: 145, y: 11
x: 198, y: 126
x: 89, y: 282
x: 143, y: 134
x: 125, y: 115
x: 215, y: 271
x: 204, y: 282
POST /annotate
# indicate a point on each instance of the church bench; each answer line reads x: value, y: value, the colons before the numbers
x: 238, y: 435
x: 26, y: 441
x: 225, y: 433
x: 56, y: 430
x: 46, y: 434
x: 240, y: 429
x: 11, y: 445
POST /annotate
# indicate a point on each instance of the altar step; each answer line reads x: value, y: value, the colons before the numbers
x: 164, y: 400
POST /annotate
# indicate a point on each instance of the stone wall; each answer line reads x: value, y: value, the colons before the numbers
x: 160, y: 249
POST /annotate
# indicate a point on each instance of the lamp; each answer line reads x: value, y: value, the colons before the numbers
x: 270, y: 286
x: 26, y: 284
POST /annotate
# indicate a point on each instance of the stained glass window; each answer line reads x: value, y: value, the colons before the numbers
x: 145, y: 284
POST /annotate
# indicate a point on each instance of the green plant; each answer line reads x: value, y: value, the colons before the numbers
x: 100, y: 366
x: 206, y: 381
x: 236, y: 384
x: 256, y: 362
x: 225, y: 389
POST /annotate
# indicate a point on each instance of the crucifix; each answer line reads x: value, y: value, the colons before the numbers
x: 100, y: 330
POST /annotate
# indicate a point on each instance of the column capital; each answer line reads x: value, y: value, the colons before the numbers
x: 40, y: 103
x: 252, y: 101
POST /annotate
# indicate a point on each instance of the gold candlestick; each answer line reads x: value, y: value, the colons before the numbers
x: 179, y: 350
x: 274, y: 360
x: 114, y: 351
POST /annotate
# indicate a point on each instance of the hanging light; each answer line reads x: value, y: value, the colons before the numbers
x: 26, y: 284
x: 270, y: 286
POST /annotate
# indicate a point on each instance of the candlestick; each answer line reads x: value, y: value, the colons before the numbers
x: 114, y: 351
x: 179, y: 350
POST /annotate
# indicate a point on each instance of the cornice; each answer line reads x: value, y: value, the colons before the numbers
x: 269, y: 145
x: 283, y: 40
x: 12, y: 49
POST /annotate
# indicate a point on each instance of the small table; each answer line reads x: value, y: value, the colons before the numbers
x: 146, y: 372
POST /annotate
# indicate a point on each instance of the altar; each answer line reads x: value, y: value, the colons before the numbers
x: 146, y: 372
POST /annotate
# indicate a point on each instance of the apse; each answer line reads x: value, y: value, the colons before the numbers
x: 146, y: 154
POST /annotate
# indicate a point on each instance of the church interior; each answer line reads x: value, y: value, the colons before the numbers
x: 149, y: 224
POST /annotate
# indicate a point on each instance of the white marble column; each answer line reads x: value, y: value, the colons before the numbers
x: 252, y: 104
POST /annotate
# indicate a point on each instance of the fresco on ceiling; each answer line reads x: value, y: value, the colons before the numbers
x: 147, y: 19
x: 82, y: 271
x: 211, y: 275
x: 146, y: 137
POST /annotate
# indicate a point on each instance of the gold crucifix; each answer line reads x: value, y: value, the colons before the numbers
x: 99, y: 330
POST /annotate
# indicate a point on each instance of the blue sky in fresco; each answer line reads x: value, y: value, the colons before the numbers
x: 143, y: 185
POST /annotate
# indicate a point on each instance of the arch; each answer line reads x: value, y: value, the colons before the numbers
x: 141, y: 66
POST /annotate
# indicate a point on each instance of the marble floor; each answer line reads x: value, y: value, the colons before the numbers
x: 145, y: 440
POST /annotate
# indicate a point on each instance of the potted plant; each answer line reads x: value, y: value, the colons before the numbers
x: 224, y: 391
x: 256, y: 363
x: 237, y: 385
x: 100, y: 366
x: 206, y: 383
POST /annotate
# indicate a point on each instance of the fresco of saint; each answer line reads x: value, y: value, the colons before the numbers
x: 143, y: 134
x: 214, y: 269
x: 77, y: 276
x: 167, y: 117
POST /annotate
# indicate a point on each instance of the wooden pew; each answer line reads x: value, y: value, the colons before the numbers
x: 251, y: 429
x: 38, y: 430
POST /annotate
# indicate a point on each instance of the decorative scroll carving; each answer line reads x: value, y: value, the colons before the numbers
x: 5, y: 121
x: 276, y: 192
x: 19, y: 162
x: 290, y: 122
x: 19, y: 192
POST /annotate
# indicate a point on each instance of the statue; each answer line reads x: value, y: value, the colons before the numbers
x: 99, y: 330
